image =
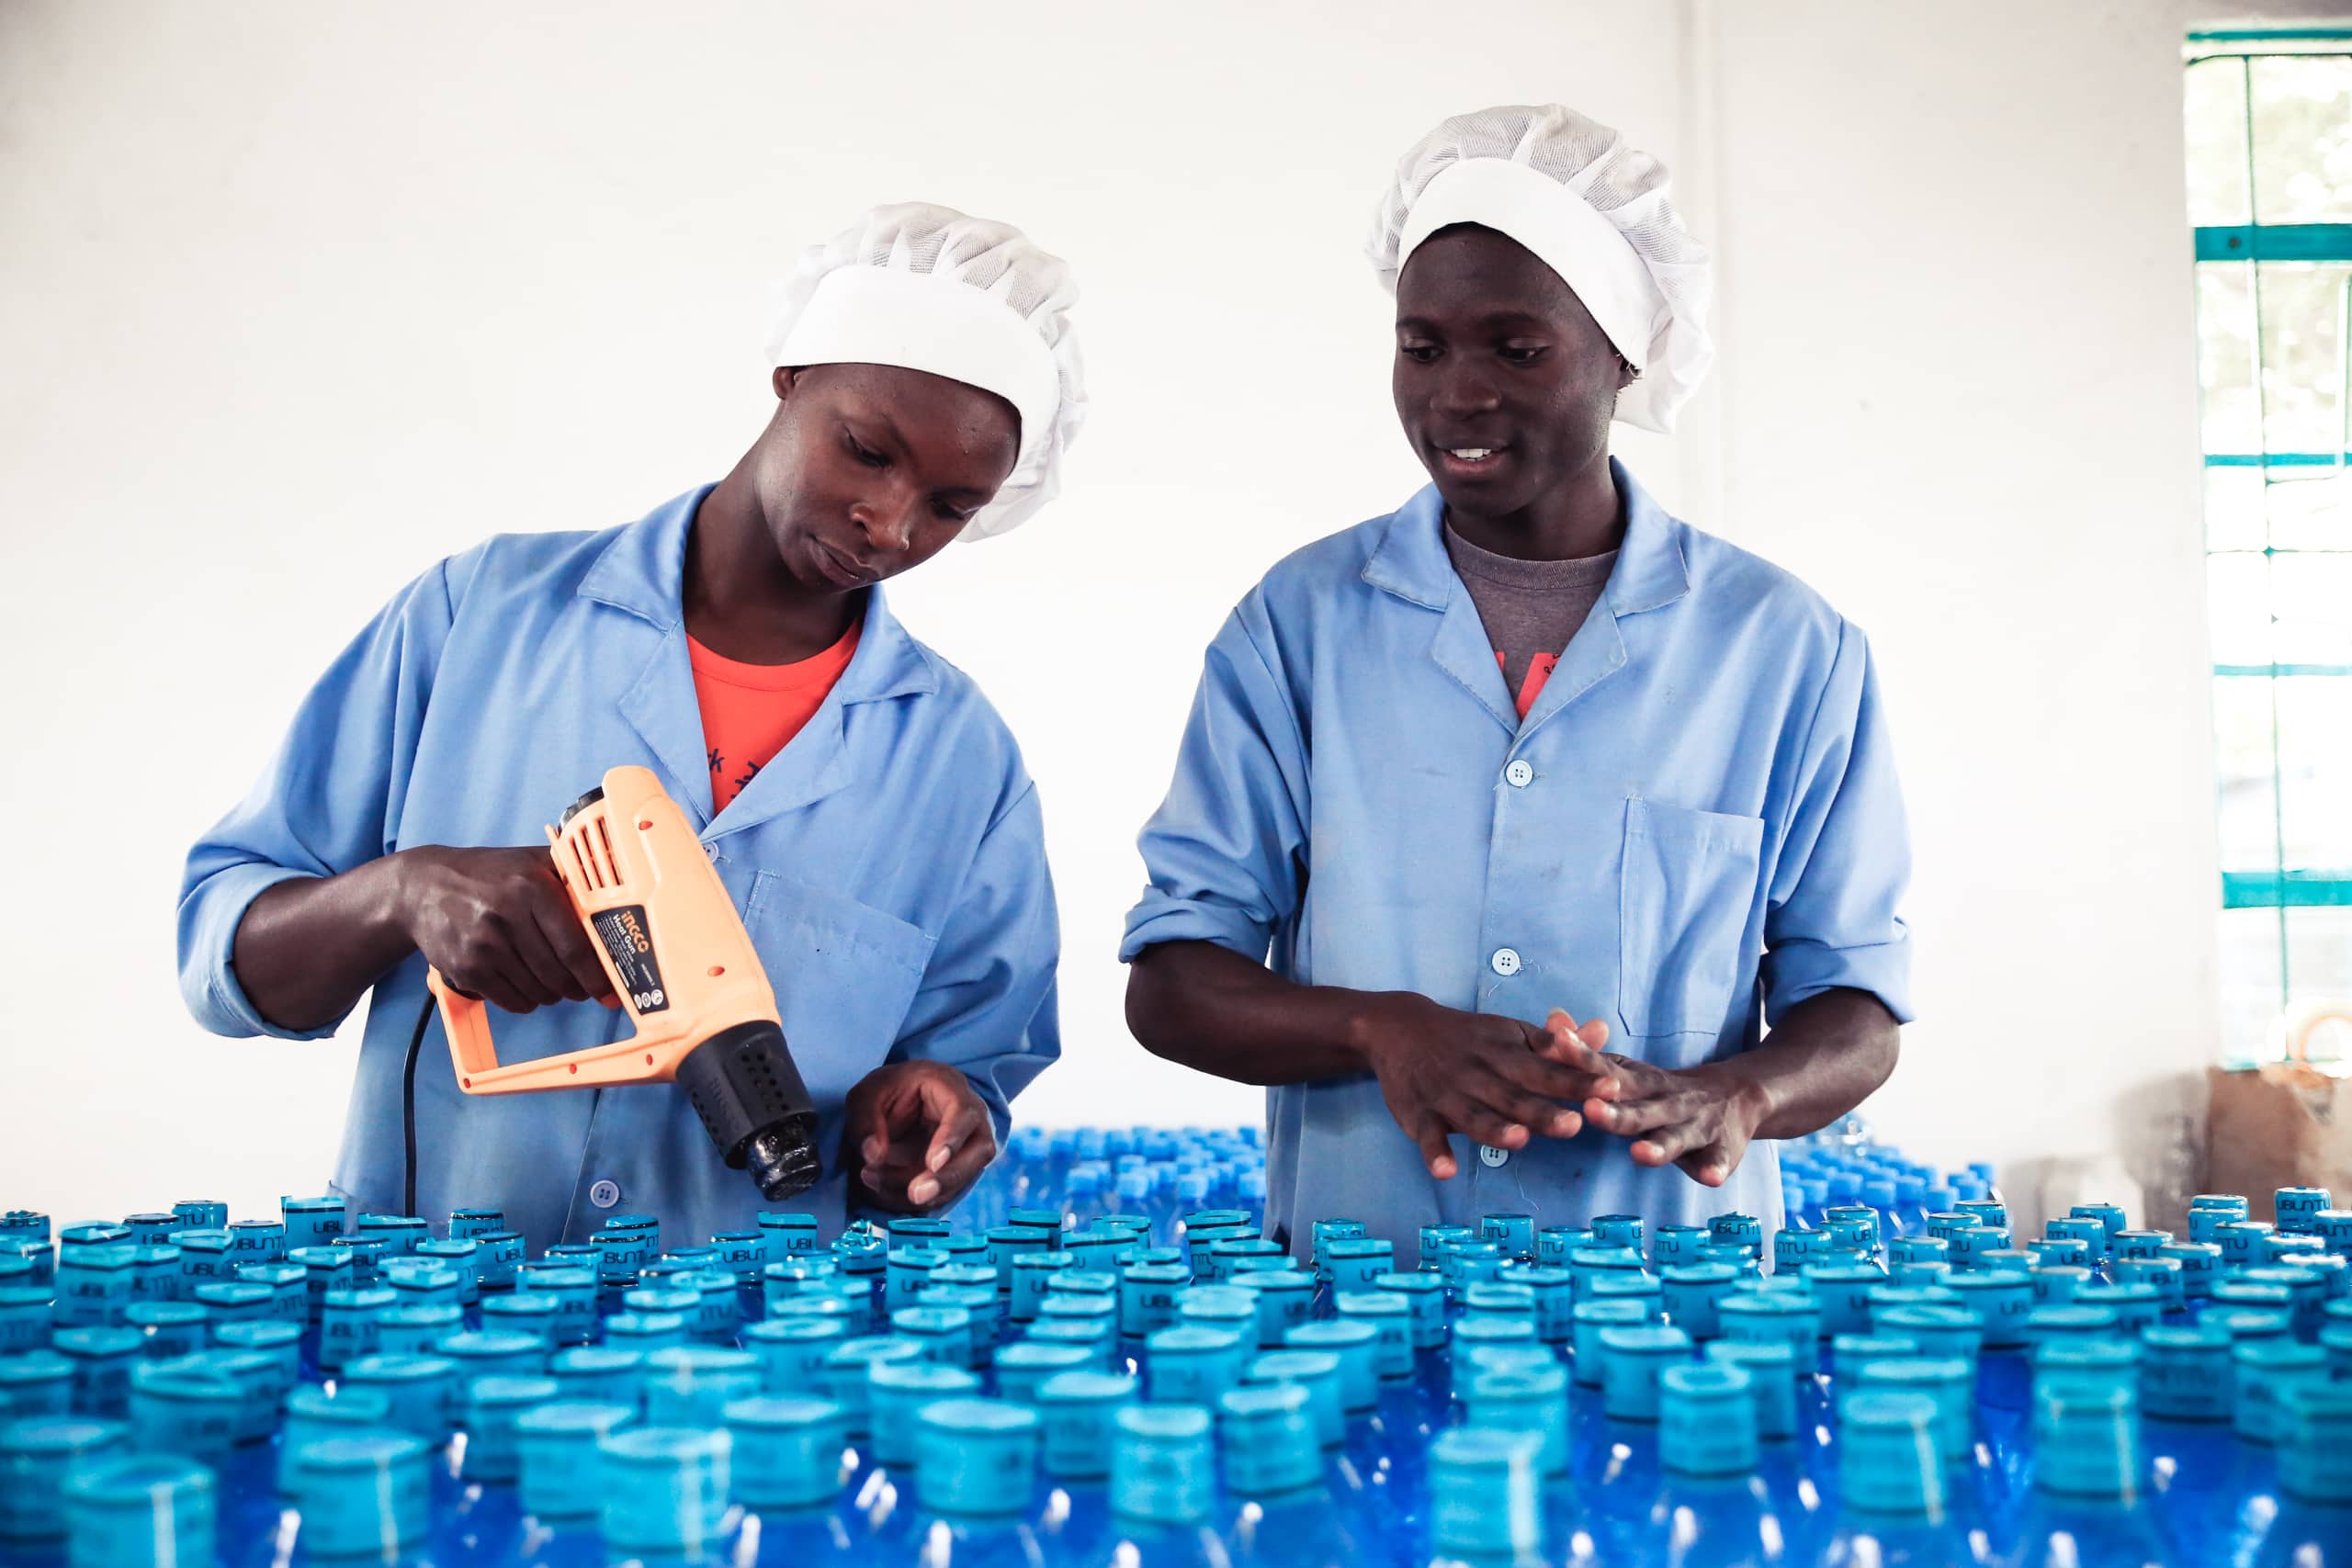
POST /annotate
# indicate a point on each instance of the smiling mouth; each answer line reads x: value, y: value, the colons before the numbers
x: 1469, y: 461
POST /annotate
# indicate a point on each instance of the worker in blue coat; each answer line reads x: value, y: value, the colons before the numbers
x: 1538, y: 851
x: 865, y: 807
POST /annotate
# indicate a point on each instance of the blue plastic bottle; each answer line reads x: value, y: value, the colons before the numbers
x: 1484, y: 1499
x: 2088, y: 1475
x: 1075, y: 1412
x: 140, y: 1511
x: 976, y: 1471
x: 561, y: 1474
x: 1891, y: 1487
x: 787, y: 1474
x: 1279, y: 1510
x: 1163, y: 1490
x: 664, y: 1501
x: 2314, y: 1524
x: 1719, y: 1515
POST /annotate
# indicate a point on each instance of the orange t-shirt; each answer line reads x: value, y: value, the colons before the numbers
x: 750, y: 712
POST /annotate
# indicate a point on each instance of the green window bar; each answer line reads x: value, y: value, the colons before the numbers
x: 2269, y: 122
x: 2275, y: 241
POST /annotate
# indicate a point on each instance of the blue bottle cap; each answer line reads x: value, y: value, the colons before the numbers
x: 492, y: 1405
x: 1950, y: 1383
x: 1317, y: 1372
x: 561, y: 1473
x: 1077, y: 1408
x: 2003, y: 1296
x: 2265, y: 1370
x: 2315, y: 1428
x: 496, y: 1399
x: 975, y: 1456
x: 896, y: 1391
x: 1532, y: 1400
x: 1484, y: 1487
x: 1163, y: 1465
x: 1269, y: 1439
x: 38, y: 1455
x: 419, y: 1388
x: 1707, y: 1420
x: 2186, y: 1373
x: 368, y: 1494
x: 142, y: 1511
x: 689, y: 1385
x: 2242, y: 1323
x: 1888, y: 1462
x: 845, y: 1368
x: 1356, y: 1344
x: 1632, y: 1358
x: 1849, y: 1353
x: 787, y: 1451
x: 179, y: 1407
x: 665, y: 1490
x: 2048, y: 1325
x: 2086, y: 1434
x: 1472, y: 1333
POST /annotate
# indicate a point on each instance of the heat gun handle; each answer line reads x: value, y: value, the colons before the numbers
x: 465, y: 1020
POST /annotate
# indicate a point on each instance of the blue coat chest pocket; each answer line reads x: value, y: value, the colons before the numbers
x: 844, y: 974
x: 1690, y: 882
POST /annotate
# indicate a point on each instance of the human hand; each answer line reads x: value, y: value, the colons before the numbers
x: 1701, y: 1118
x: 1492, y: 1078
x: 920, y: 1134
x: 498, y: 924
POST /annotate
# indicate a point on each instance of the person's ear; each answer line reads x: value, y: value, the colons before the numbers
x: 1626, y: 374
x: 787, y: 377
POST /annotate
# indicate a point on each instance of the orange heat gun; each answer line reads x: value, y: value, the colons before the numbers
x: 684, y: 967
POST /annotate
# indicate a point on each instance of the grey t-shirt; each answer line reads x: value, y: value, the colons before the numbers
x: 1530, y: 608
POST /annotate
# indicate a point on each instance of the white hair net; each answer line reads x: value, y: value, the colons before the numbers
x: 1592, y: 209
x: 926, y: 287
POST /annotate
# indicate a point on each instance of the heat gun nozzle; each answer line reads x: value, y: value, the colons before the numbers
x: 782, y: 1162
x: 749, y: 1093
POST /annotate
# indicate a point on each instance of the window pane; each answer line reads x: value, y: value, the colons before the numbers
x: 2315, y: 771
x: 2249, y: 796
x: 2238, y: 604
x: 2234, y: 509
x: 2319, y: 971
x: 2302, y: 139
x: 2301, y: 307
x: 2311, y: 510
x: 2310, y: 599
x: 2250, y: 997
x: 2217, y: 161
x: 2225, y: 356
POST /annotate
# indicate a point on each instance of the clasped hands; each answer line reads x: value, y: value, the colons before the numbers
x: 1506, y: 1083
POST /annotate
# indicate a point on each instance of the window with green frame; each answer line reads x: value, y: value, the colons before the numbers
x: 2269, y: 123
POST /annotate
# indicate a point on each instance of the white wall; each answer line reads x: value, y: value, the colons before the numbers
x: 295, y: 299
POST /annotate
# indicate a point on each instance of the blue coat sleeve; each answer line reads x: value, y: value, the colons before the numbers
x: 987, y: 1004
x: 1225, y: 853
x: 328, y: 801
x: 1833, y: 916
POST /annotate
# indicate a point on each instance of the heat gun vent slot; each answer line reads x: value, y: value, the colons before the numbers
x: 593, y: 856
x: 612, y: 861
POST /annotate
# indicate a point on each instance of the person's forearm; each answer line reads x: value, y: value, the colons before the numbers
x: 1827, y: 1055
x: 1211, y: 1010
x: 309, y: 948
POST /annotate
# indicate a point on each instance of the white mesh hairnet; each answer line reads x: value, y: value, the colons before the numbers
x: 926, y: 287
x: 1541, y: 175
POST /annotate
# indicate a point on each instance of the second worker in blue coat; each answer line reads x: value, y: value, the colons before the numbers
x: 1538, y: 851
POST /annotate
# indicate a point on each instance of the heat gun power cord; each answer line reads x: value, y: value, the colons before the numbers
x: 408, y: 1107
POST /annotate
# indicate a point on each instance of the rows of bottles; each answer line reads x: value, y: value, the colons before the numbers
x: 1127, y: 1386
